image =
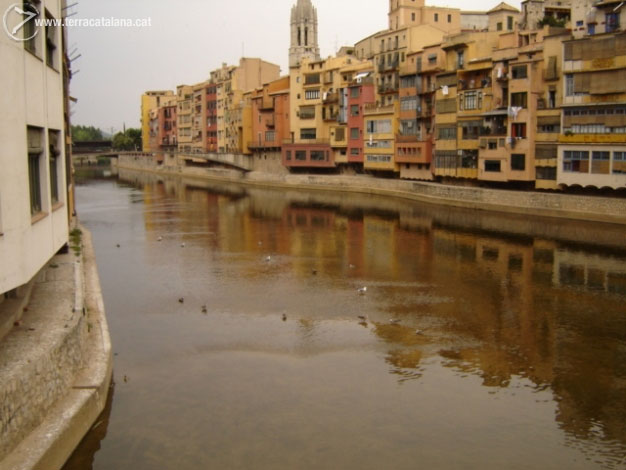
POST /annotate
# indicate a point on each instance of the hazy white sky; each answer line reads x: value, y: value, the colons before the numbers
x: 187, y: 39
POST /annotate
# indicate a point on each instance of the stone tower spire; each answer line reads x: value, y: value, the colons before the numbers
x: 303, y: 33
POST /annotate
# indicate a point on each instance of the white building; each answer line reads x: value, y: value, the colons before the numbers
x: 33, y: 196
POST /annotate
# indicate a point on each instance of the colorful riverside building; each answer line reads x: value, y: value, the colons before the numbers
x: 168, y: 135
x: 416, y: 119
x: 227, y: 86
x: 269, y: 124
x: 318, y: 114
x: 361, y: 94
x: 592, y: 141
x: 184, y: 116
x: 150, y: 100
x: 526, y: 99
x: 163, y: 135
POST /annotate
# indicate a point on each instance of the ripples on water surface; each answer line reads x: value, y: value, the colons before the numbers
x: 507, y: 347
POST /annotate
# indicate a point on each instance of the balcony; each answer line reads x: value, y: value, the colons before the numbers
x: 263, y: 144
x: 401, y: 138
x: 569, y: 138
x: 305, y: 142
x: 266, y: 103
x: 393, y: 65
x: 329, y: 98
x: 388, y: 88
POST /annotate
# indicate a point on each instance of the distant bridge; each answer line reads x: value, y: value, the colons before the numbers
x: 231, y: 160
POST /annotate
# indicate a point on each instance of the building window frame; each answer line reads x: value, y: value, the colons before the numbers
x: 518, y: 162
x: 35, y: 152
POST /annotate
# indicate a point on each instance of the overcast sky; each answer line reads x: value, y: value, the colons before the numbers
x: 187, y: 39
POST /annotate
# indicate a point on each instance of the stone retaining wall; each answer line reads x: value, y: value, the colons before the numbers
x: 34, y: 378
x: 590, y: 208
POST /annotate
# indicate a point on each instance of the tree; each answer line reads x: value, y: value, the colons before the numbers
x: 86, y: 134
x: 129, y: 140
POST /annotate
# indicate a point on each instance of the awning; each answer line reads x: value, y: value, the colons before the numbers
x: 362, y: 75
x: 497, y: 112
x: 548, y: 120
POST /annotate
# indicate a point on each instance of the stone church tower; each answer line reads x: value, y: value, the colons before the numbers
x: 303, y: 33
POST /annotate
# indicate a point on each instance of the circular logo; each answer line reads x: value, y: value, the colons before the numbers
x: 19, y: 16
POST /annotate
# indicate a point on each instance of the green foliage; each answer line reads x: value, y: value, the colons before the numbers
x: 129, y: 140
x: 86, y: 133
x: 75, y: 240
x: 552, y: 21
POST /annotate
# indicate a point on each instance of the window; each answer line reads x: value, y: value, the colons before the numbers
x: 569, y: 85
x: 471, y: 130
x: 379, y: 158
x: 460, y: 59
x: 600, y: 162
x: 449, y: 18
x: 552, y: 99
x: 546, y: 173
x: 619, y: 163
x: 54, y: 141
x: 270, y: 136
x: 446, y: 133
x: 412, y: 16
x: 288, y: 155
x: 408, y: 103
x: 612, y: 22
x: 51, y: 42
x: 382, y: 126
x: 307, y: 112
x: 355, y: 152
x: 301, y: 155
x: 308, y: 133
x: 354, y: 133
x: 591, y: 29
x: 35, y: 153
x: 518, y: 130
x: 518, y: 162
x: 471, y: 100
x: 509, y: 23
x: 319, y: 156
x: 378, y: 144
x: 311, y: 94
x: 408, y: 127
x: 519, y: 99
x: 312, y: 79
x: 354, y: 92
x: 492, y: 166
x: 407, y: 82
x: 354, y: 110
x: 31, y: 38
x: 499, y: 26
x: 576, y: 161
x: 519, y: 71
x: 436, y: 17
x: 549, y: 128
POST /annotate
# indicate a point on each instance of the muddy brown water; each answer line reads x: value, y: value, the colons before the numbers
x: 482, y: 342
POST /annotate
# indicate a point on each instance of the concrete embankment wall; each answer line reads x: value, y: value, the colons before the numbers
x: 589, y: 208
x: 55, y: 365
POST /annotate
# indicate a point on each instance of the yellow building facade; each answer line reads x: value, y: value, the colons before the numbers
x: 150, y: 100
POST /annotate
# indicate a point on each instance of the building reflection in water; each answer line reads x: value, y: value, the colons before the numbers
x: 504, y: 298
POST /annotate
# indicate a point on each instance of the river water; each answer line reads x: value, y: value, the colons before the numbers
x: 485, y: 341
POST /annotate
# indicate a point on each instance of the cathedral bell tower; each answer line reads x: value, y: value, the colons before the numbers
x: 303, y: 33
